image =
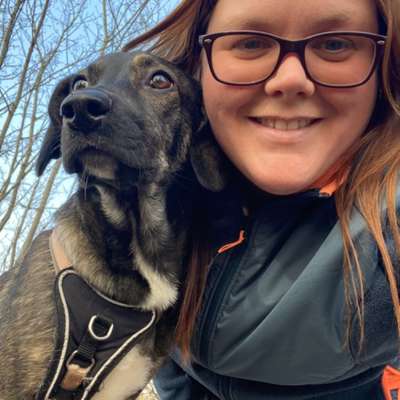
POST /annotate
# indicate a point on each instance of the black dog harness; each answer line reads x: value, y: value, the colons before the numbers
x: 93, y: 334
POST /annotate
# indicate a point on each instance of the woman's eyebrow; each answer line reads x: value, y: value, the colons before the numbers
x: 339, y: 20
x: 335, y: 21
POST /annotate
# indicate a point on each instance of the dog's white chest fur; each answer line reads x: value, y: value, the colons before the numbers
x: 129, y: 376
x: 163, y: 293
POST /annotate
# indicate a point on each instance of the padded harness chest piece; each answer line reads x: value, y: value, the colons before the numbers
x: 94, y: 333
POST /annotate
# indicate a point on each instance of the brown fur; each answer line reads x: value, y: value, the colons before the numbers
x: 126, y: 230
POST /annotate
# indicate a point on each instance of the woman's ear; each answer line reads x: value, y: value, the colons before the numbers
x: 51, y: 146
x: 208, y: 161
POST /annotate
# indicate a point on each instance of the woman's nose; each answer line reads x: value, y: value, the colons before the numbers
x: 290, y: 79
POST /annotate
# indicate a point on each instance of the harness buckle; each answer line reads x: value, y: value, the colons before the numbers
x: 75, y: 374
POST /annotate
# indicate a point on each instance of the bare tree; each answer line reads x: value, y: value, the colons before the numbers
x: 40, y: 42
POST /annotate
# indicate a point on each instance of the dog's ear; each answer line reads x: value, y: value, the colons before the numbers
x: 50, y: 148
x: 207, y: 159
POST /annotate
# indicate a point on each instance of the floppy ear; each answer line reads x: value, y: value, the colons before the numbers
x: 51, y: 143
x: 208, y: 161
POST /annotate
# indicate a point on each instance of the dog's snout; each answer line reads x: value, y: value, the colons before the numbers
x: 84, y: 110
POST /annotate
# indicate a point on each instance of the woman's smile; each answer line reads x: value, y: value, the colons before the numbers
x: 284, y: 133
x: 291, y: 124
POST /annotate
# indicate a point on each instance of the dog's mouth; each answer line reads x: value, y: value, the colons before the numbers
x: 97, y: 163
x: 101, y: 167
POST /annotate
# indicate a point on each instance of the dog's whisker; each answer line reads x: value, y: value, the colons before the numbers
x: 56, y: 146
x: 185, y: 182
x: 85, y: 184
x: 131, y: 146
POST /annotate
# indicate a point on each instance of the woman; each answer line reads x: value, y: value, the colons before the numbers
x: 302, y: 97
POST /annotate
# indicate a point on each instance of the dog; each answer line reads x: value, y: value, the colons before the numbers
x: 131, y: 127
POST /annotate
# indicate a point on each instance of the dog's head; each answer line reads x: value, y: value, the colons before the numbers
x: 130, y: 118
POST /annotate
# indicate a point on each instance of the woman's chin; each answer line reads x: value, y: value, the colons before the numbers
x: 281, y: 187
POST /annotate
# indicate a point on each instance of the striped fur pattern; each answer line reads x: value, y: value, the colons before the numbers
x: 130, y: 127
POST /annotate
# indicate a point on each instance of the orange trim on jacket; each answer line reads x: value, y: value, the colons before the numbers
x: 327, y: 184
x: 229, y: 246
x: 333, y: 178
x: 391, y: 383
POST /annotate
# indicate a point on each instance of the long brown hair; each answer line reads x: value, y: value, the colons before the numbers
x: 373, y: 173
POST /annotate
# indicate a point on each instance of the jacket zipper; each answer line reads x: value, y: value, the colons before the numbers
x: 214, y: 300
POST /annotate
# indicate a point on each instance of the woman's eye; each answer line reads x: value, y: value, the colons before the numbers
x: 334, y: 45
x: 80, y: 84
x: 249, y: 48
x: 252, y: 44
x: 160, y: 81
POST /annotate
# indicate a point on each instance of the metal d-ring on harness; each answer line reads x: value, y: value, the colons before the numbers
x: 82, y: 360
x: 93, y: 334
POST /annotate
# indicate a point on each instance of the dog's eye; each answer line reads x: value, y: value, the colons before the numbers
x: 160, y: 81
x: 80, y: 84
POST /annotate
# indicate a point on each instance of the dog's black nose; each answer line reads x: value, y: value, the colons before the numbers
x: 84, y: 110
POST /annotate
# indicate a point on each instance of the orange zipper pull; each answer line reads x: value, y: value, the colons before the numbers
x: 229, y: 246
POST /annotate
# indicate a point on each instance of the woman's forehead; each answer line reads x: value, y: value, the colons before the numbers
x: 294, y: 18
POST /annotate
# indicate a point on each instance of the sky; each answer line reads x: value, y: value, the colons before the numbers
x: 9, y: 76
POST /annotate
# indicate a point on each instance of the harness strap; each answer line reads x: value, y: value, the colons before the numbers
x: 82, y: 360
x: 93, y: 333
x: 60, y: 259
x: 76, y: 370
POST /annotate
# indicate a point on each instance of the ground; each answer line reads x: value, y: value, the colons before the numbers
x: 149, y: 393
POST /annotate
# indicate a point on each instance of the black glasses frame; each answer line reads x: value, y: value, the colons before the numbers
x: 294, y: 46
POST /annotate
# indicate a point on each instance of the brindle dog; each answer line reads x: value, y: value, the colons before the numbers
x: 130, y: 127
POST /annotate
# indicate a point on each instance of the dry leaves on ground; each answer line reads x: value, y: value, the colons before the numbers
x: 149, y: 393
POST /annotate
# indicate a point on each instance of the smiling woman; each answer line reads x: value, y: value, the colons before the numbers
x: 277, y: 159
x: 302, y: 98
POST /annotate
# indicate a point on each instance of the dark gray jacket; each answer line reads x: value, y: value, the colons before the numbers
x: 273, y: 323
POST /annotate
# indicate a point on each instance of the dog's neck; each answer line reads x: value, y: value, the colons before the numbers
x: 129, y: 248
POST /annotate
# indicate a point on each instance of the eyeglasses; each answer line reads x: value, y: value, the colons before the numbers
x: 332, y: 59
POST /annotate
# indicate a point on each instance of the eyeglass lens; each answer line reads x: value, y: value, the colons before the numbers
x: 329, y: 59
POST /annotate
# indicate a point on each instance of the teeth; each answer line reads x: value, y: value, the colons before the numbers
x: 270, y: 123
x: 285, y: 125
x: 294, y: 124
x: 280, y: 124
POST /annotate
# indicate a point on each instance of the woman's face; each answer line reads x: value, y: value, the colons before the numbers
x: 281, y: 160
